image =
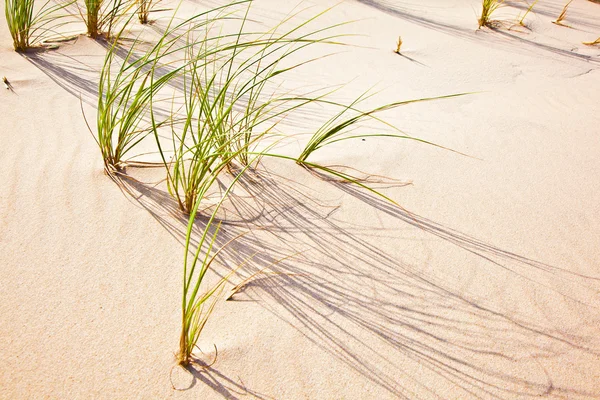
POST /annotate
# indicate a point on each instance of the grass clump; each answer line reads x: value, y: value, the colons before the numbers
x: 200, y: 152
x: 487, y: 9
x: 28, y: 27
x: 125, y: 97
x: 231, y: 105
x: 197, y: 307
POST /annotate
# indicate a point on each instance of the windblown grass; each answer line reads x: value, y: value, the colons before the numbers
x: 338, y: 128
x: 487, y: 9
x: 194, y: 166
x: 228, y: 105
x: 28, y: 27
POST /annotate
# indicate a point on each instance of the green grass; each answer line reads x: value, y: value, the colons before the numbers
x: 125, y: 96
x: 197, y: 307
x: 198, y: 153
x: 226, y: 114
x: 340, y: 127
x: 228, y: 108
x: 28, y: 27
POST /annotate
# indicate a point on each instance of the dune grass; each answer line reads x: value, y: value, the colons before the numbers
x: 125, y: 96
x: 229, y: 107
x: 28, y: 27
x: 398, y: 45
x: 197, y: 308
x: 592, y: 43
x: 563, y: 15
x: 340, y: 127
x: 102, y: 16
x: 488, y: 7
x: 123, y: 101
x: 529, y: 9
x: 199, y: 154
x: 143, y: 10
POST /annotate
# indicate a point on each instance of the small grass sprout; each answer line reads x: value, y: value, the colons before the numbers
x: 522, y: 19
x: 487, y: 9
x: 398, y: 45
x: 144, y: 8
x: 563, y: 15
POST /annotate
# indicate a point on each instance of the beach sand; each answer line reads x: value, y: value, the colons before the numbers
x: 486, y: 284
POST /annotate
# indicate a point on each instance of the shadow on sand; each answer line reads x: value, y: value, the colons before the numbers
x: 378, y: 314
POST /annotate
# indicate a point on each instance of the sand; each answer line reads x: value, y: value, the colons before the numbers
x: 486, y: 284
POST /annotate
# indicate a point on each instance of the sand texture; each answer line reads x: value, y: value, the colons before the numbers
x: 485, y: 284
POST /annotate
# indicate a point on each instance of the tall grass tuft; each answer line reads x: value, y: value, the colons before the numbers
x: 487, y: 9
x: 230, y: 105
x: 125, y: 97
x: 199, y: 154
x: 28, y: 27
x: 196, y: 308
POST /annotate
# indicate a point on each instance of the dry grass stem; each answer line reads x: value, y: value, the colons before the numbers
x: 398, y: 45
x: 595, y: 42
x: 562, y: 15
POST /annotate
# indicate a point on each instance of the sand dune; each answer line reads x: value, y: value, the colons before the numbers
x: 486, y: 285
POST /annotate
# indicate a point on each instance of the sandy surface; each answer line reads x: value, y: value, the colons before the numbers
x: 488, y: 288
